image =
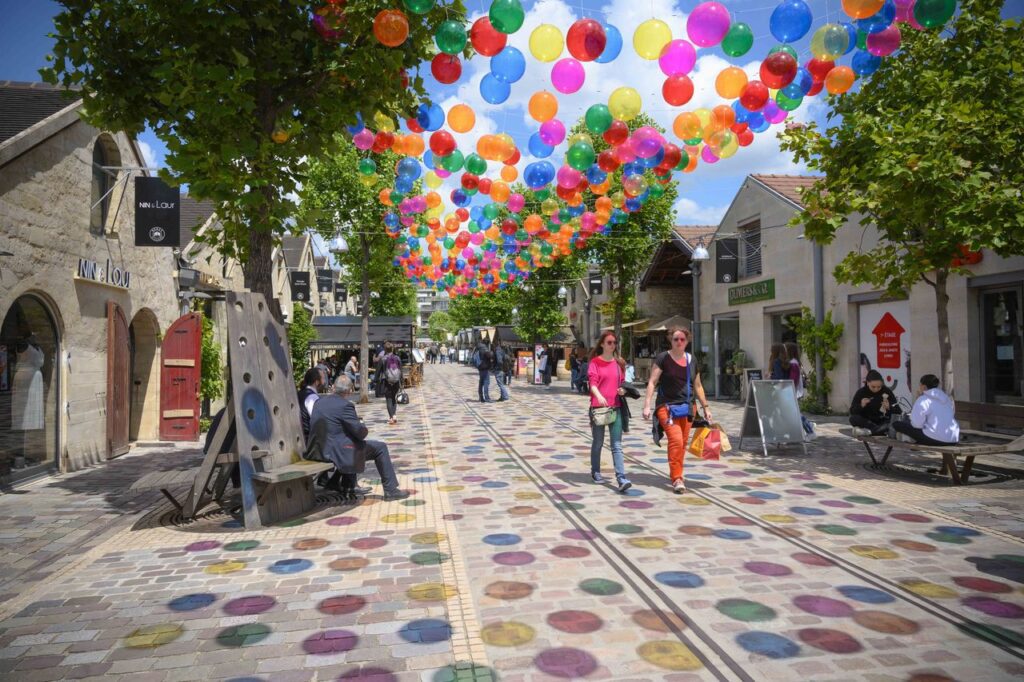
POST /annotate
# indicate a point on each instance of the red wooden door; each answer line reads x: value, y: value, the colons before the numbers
x: 119, y: 354
x: 180, y: 365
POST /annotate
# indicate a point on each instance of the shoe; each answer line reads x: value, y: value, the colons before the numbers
x: 396, y: 495
x: 678, y: 487
x: 361, y: 491
x: 501, y: 400
x: 596, y: 477
x: 880, y: 430
x: 860, y: 431
x: 624, y: 484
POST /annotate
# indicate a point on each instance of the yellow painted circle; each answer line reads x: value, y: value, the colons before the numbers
x: 397, y: 518
x: 508, y: 633
x: 772, y: 479
x: 669, y: 655
x: 152, y: 636
x: 222, y: 567
x: 778, y: 518
x: 873, y: 552
x: 528, y: 496
x: 927, y: 589
x: 649, y: 543
x: 431, y: 592
x: 693, y: 501
x: 521, y: 479
x: 428, y: 538
x: 451, y: 488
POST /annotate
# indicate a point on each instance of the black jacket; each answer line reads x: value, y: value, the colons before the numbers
x: 337, y: 435
x: 303, y: 394
x: 873, y: 410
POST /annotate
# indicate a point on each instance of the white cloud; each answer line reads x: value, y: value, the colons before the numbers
x: 148, y: 156
x: 689, y: 212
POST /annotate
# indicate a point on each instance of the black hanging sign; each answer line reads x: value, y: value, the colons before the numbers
x: 324, y: 280
x: 726, y: 260
x: 300, y: 285
x: 596, y: 285
x: 157, y: 213
x: 340, y: 292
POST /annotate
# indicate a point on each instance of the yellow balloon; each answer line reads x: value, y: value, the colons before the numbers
x: 829, y: 42
x: 580, y: 137
x: 368, y: 180
x: 704, y: 116
x: 461, y: 118
x: 549, y: 205
x: 546, y: 43
x: 509, y: 173
x: 383, y: 122
x: 728, y: 143
x: 625, y: 103
x: 730, y: 82
x: 433, y: 180
x: 434, y: 213
x: 651, y: 37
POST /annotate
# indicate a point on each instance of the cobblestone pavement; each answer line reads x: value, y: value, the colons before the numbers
x: 508, y: 563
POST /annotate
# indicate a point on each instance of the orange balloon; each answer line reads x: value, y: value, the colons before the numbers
x: 603, y: 204
x: 414, y: 145
x: 543, y: 106
x: 861, y: 9
x: 687, y: 126
x: 492, y: 232
x: 730, y: 81
x: 391, y: 27
x: 461, y: 118
x: 533, y: 224
x: 509, y: 173
x: 602, y: 188
x: 385, y: 197
x: 723, y: 116
x: 839, y: 80
x: 433, y: 199
x: 499, y: 191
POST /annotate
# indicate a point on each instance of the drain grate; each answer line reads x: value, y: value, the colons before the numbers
x: 930, y: 474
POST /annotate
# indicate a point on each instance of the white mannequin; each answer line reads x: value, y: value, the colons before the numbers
x: 27, y: 395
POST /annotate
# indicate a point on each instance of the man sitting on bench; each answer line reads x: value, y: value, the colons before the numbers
x: 872, y: 407
x: 931, y: 421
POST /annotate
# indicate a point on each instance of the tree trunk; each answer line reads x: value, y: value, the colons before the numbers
x: 942, y: 316
x: 259, y: 270
x: 364, y: 340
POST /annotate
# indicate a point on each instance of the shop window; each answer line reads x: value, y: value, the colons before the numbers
x: 105, y: 157
x: 750, y: 249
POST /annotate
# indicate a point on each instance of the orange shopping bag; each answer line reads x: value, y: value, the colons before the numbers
x: 697, y: 444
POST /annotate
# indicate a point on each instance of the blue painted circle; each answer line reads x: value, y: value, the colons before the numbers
x: 768, y: 644
x: 425, y: 479
x: 426, y: 631
x: 495, y: 484
x: 502, y: 539
x: 286, y: 566
x: 808, y: 511
x: 659, y: 460
x: 868, y: 595
x: 731, y: 534
x: 563, y: 456
x: 958, y: 530
x: 699, y: 477
x: 679, y: 579
x: 191, y: 602
x: 764, y: 496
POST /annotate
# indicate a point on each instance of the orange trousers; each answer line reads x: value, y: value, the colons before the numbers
x: 678, y: 434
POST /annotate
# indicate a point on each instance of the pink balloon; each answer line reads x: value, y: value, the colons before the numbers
x: 568, y: 177
x: 442, y: 173
x: 707, y: 24
x: 624, y: 153
x: 885, y: 42
x: 708, y: 155
x: 588, y: 222
x: 363, y: 139
x: 516, y: 202
x: 904, y: 10
x: 552, y: 132
x: 677, y: 58
x: 476, y: 238
x: 646, y: 142
x: 772, y: 113
x: 567, y: 75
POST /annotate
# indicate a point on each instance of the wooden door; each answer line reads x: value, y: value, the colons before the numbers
x: 118, y: 380
x: 180, y: 366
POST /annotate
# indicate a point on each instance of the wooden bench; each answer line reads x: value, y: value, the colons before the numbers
x: 990, y: 416
x: 949, y: 453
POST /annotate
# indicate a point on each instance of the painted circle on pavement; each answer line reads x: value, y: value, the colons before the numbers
x: 428, y: 538
x: 873, y: 552
x: 507, y: 634
x: 513, y: 558
x: 913, y: 546
x: 565, y: 662
x: 152, y: 636
x: 289, y: 566
x: 508, y: 590
x: 348, y: 564
x: 601, y: 587
x: 247, y: 606
x: 928, y: 589
x: 426, y: 631
x: 522, y: 511
x: 397, y: 518
x: 367, y: 543
x: 428, y: 558
x: 745, y: 610
x: 202, y: 546
x: 570, y: 551
x: 832, y: 641
x: 994, y: 607
x: 310, y: 543
x: 624, y: 528
x: 342, y: 604
x: 833, y: 529
x: 767, y: 568
x: 682, y: 579
x: 823, y: 606
x: 191, y: 602
x: 502, y: 539
x: 223, y: 567
x: 868, y: 595
x: 670, y: 655
x: 889, y: 623
x: 768, y: 644
x: 246, y: 634
x: 649, y: 543
x: 330, y: 642
x: 574, y: 622
x: 431, y: 592
x: 982, y: 584
x: 658, y: 621
x: 241, y: 545
x: 697, y: 531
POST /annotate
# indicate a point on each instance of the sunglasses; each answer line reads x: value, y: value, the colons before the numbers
x: 610, y: 341
x: 680, y: 339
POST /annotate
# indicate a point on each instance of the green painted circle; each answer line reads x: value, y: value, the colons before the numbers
x: 948, y: 538
x: 832, y: 529
x: 428, y: 558
x: 735, y: 488
x: 291, y: 524
x: 861, y: 499
x: 817, y: 486
x: 569, y: 505
x: 243, y: 635
x: 624, y: 528
x: 414, y: 503
x: 242, y: 545
x: 756, y: 471
x: 601, y: 587
x: 745, y: 610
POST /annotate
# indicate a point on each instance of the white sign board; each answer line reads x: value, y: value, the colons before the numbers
x: 884, y: 336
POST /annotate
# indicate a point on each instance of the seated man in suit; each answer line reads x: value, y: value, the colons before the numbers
x: 338, y: 436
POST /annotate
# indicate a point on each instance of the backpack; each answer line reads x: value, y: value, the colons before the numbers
x: 509, y: 363
x: 476, y: 359
x: 392, y: 369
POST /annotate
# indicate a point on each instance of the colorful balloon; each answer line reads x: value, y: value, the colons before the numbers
x: 446, y: 68
x: 778, y: 70
x: 880, y: 20
x: 509, y: 65
x: 391, y: 27
x: 650, y: 38
x: 932, y: 13
x: 450, y: 37
x: 485, y: 39
x: 754, y: 95
x: 677, y: 90
x: 829, y: 42
x: 790, y: 21
x: 708, y: 24
x: 613, y: 44
x: 859, y: 9
x: 543, y: 106
x: 730, y: 81
x: 494, y: 91
x: 625, y: 103
x: 884, y: 43
x: 586, y: 40
x: 677, y: 58
x: 418, y: 6
x: 738, y: 41
x: 598, y: 118
x: 546, y: 43
x: 865, y: 63
x: 839, y: 80
x: 506, y: 15
x: 567, y: 75
x: 461, y: 118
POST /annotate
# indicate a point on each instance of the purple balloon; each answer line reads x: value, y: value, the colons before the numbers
x: 363, y: 139
x: 772, y: 112
x: 552, y: 132
x: 707, y: 24
x: 677, y: 58
x: 708, y: 155
x: 567, y: 75
x: 885, y: 42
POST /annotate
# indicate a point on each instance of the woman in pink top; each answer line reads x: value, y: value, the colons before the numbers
x: 606, y: 375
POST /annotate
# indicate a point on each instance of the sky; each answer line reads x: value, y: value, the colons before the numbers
x: 704, y: 195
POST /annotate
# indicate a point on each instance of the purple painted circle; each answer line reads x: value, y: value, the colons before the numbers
x: 767, y: 568
x: 572, y: 497
x: 565, y: 662
x: 247, y: 606
x: 576, y: 534
x: 746, y: 499
x: 994, y: 607
x: 474, y: 479
x: 555, y: 486
x: 553, y: 467
x: 733, y: 472
x: 342, y: 521
x: 911, y: 518
x: 823, y: 606
x: 513, y: 558
x: 635, y: 504
x: 864, y: 518
x: 837, y: 504
x: 570, y: 552
x: 452, y: 517
x: 369, y: 675
x: 202, y: 546
x: 330, y: 642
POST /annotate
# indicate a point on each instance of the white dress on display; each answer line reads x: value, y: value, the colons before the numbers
x: 27, y: 396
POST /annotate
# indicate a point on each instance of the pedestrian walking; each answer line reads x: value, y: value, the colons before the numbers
x: 483, y: 360
x: 574, y: 370
x: 498, y: 370
x: 547, y: 366
x: 606, y: 374
x: 444, y: 353
x: 676, y: 379
x: 796, y: 375
x: 392, y: 378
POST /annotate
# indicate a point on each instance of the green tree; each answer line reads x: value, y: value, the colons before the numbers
x: 242, y: 94
x: 539, y: 308
x: 441, y: 326
x: 211, y: 379
x: 484, y: 309
x: 927, y: 153
x: 818, y: 340
x: 300, y: 334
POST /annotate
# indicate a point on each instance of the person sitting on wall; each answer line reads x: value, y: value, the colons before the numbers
x: 931, y: 421
x: 873, y: 406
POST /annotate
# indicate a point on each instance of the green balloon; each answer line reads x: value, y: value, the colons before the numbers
x: 475, y: 164
x: 738, y: 40
x: 598, y: 118
x: 491, y: 211
x: 450, y: 37
x: 367, y: 166
x: 469, y: 192
x: 656, y: 190
x: 862, y: 40
x: 474, y: 227
x: 563, y: 215
x: 396, y: 196
x: 580, y: 156
x: 427, y: 260
x: 418, y: 6
x: 932, y: 13
x: 506, y: 15
x: 453, y: 162
x: 787, y: 49
x: 786, y: 103
x: 449, y: 243
x: 684, y: 160
x: 694, y: 140
x: 542, y: 194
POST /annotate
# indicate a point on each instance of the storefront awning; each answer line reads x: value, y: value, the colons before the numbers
x: 634, y: 323
x: 674, y: 321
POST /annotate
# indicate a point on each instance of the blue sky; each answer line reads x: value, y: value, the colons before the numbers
x: 704, y: 195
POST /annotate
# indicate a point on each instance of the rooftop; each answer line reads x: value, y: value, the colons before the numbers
x: 692, y: 234
x: 194, y: 214
x: 789, y: 186
x: 293, y: 246
x: 22, y: 105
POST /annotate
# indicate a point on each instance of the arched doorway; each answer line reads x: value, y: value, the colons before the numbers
x: 143, y: 407
x: 29, y: 387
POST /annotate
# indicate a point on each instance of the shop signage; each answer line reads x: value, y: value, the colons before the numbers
x: 726, y: 260
x: 340, y: 292
x: 324, y: 280
x: 887, y: 342
x: 596, y: 285
x: 111, y: 275
x: 157, y: 213
x: 300, y: 285
x: 748, y: 293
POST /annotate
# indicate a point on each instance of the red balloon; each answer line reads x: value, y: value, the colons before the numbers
x: 484, y: 186
x: 463, y: 214
x: 442, y: 143
x: 617, y: 133
x: 514, y: 159
x: 405, y: 78
x: 382, y: 142
x: 816, y: 87
x: 739, y: 127
x: 586, y: 40
x: 673, y: 154
x: 565, y: 193
x: 778, y: 70
x: 819, y: 68
x: 677, y: 90
x: 606, y: 161
x: 470, y: 181
x: 754, y: 95
x: 745, y: 138
x: 446, y: 68
x: 413, y: 125
x: 509, y: 226
x: 485, y: 39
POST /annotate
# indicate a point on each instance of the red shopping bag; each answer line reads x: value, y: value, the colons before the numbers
x: 712, y: 445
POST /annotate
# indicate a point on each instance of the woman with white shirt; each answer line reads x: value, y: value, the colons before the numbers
x: 931, y: 421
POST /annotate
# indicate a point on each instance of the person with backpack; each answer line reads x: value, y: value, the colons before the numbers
x: 508, y: 365
x: 483, y: 360
x: 392, y: 380
x: 498, y: 369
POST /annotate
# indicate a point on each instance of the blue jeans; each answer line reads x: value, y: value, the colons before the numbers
x: 615, y: 431
x: 484, y: 387
x: 501, y: 385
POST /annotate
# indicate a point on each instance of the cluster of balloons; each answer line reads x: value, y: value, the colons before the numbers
x: 482, y: 244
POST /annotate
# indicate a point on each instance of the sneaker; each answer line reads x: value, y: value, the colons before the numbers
x: 396, y: 495
x: 678, y: 487
x: 596, y: 477
x: 624, y: 484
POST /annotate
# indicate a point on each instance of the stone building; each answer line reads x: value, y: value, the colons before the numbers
x: 83, y: 309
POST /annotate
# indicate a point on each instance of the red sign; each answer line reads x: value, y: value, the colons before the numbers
x: 887, y: 336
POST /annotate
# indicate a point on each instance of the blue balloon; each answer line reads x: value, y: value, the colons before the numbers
x: 793, y: 91
x: 633, y: 168
x: 509, y: 65
x: 391, y: 219
x: 865, y: 63
x: 359, y: 125
x: 804, y: 81
x: 459, y: 198
x: 428, y: 159
x: 612, y: 46
x: 653, y: 161
x: 577, y: 211
x: 851, y: 32
x: 460, y: 263
x: 742, y: 113
x: 595, y: 176
x: 476, y: 213
x: 790, y: 21
x: 538, y: 174
x: 493, y: 90
x: 403, y: 185
x: 430, y: 117
x: 409, y: 168
x: 538, y: 148
x: 880, y: 20
x: 758, y: 123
